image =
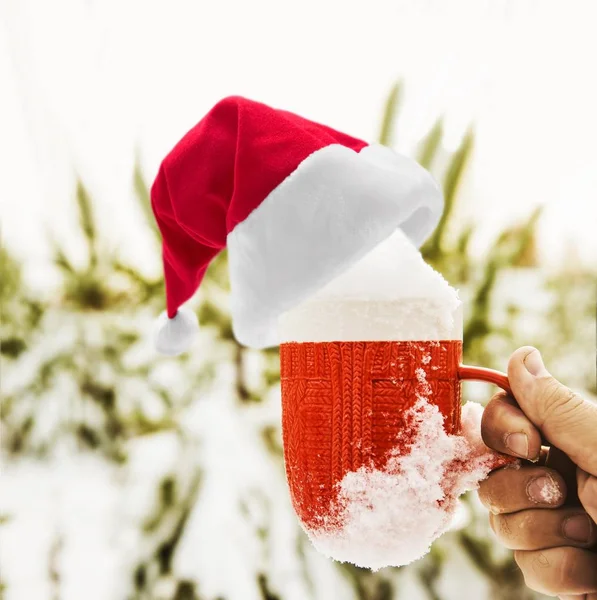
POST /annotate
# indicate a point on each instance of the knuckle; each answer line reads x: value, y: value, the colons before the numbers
x: 487, y: 422
x: 525, y: 526
x: 529, y: 529
x: 484, y: 492
x: 534, y: 567
x: 492, y: 524
x: 537, y: 578
x: 541, y: 562
x: 564, y: 568
x: 558, y: 400
x: 587, y: 494
x: 491, y: 416
x: 503, y: 527
x: 489, y: 497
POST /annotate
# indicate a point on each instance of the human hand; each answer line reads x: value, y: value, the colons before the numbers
x: 546, y: 514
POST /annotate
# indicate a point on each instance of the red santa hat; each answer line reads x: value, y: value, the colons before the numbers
x: 295, y: 202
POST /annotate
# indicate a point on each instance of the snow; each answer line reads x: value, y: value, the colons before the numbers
x: 391, y: 517
x: 70, y: 510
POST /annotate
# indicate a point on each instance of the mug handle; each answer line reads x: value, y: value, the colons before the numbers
x: 499, y: 379
x: 483, y: 374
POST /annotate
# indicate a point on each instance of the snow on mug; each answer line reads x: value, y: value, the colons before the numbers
x: 376, y: 446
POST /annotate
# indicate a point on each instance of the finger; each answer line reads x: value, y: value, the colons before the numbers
x: 587, y: 492
x: 558, y: 571
x: 510, y: 490
x: 505, y: 428
x: 540, y: 529
x: 565, y: 419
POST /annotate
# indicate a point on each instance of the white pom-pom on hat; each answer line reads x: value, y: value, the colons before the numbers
x: 175, y: 336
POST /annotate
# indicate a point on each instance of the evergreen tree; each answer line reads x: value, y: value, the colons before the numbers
x: 80, y: 378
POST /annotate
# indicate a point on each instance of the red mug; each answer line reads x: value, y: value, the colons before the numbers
x: 343, y: 403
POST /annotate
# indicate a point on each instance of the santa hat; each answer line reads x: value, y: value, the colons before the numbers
x: 295, y: 202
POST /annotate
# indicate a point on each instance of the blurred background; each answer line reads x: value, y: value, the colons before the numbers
x: 130, y: 476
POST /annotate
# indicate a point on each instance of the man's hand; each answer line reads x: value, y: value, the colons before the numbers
x: 547, y: 514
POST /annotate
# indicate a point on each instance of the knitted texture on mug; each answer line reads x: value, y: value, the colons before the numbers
x: 343, y: 407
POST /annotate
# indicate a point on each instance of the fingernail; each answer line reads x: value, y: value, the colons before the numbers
x: 518, y: 443
x: 544, y: 490
x: 578, y: 528
x: 534, y: 364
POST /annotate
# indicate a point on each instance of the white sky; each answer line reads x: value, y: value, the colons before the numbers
x: 85, y: 83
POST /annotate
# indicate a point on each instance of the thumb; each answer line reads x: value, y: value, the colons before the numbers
x: 565, y: 419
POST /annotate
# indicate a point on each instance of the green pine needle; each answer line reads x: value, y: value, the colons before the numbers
x: 390, y: 113
x: 430, y: 144
x: 87, y: 221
